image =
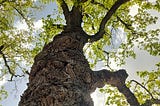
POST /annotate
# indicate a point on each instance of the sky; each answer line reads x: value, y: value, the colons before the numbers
x: 143, y: 61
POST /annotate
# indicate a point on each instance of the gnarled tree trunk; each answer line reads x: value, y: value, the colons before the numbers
x: 61, y: 76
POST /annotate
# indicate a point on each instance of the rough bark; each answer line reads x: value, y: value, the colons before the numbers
x: 61, y: 76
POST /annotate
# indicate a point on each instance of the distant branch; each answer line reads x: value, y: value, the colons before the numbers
x: 23, y: 16
x: 1, y: 47
x: 107, y: 53
x: 6, y: 64
x: 143, y: 88
x: 18, y: 11
x: 128, y: 26
x: 152, y: 100
x: 109, y: 14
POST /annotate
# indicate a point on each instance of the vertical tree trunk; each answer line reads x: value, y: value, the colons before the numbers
x: 60, y: 75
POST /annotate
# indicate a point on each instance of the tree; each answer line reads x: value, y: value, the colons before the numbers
x: 61, y: 74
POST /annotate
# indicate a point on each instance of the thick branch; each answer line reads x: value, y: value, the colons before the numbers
x: 116, y: 79
x: 131, y: 99
x: 64, y: 8
x: 128, y: 26
x: 109, y: 14
x: 74, y: 17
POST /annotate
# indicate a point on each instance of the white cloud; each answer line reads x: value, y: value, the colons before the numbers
x: 98, y: 98
x: 133, y: 10
x: 21, y: 25
x: 38, y: 24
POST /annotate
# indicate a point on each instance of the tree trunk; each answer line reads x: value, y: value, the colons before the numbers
x: 60, y: 75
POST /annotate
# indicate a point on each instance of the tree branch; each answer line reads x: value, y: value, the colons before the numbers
x: 107, y: 53
x: 128, y: 26
x: 131, y: 99
x: 109, y: 14
x: 143, y: 88
x: 107, y: 59
x: 148, y: 102
x: 23, y: 16
x: 64, y: 8
x: 6, y: 64
x: 116, y: 79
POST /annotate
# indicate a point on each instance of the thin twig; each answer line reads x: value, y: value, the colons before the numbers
x: 143, y: 88
x: 9, y: 69
x: 23, y: 16
x: 107, y: 53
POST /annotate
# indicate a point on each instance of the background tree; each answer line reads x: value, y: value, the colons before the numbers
x: 55, y: 79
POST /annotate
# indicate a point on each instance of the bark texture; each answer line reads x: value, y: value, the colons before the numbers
x: 61, y: 76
